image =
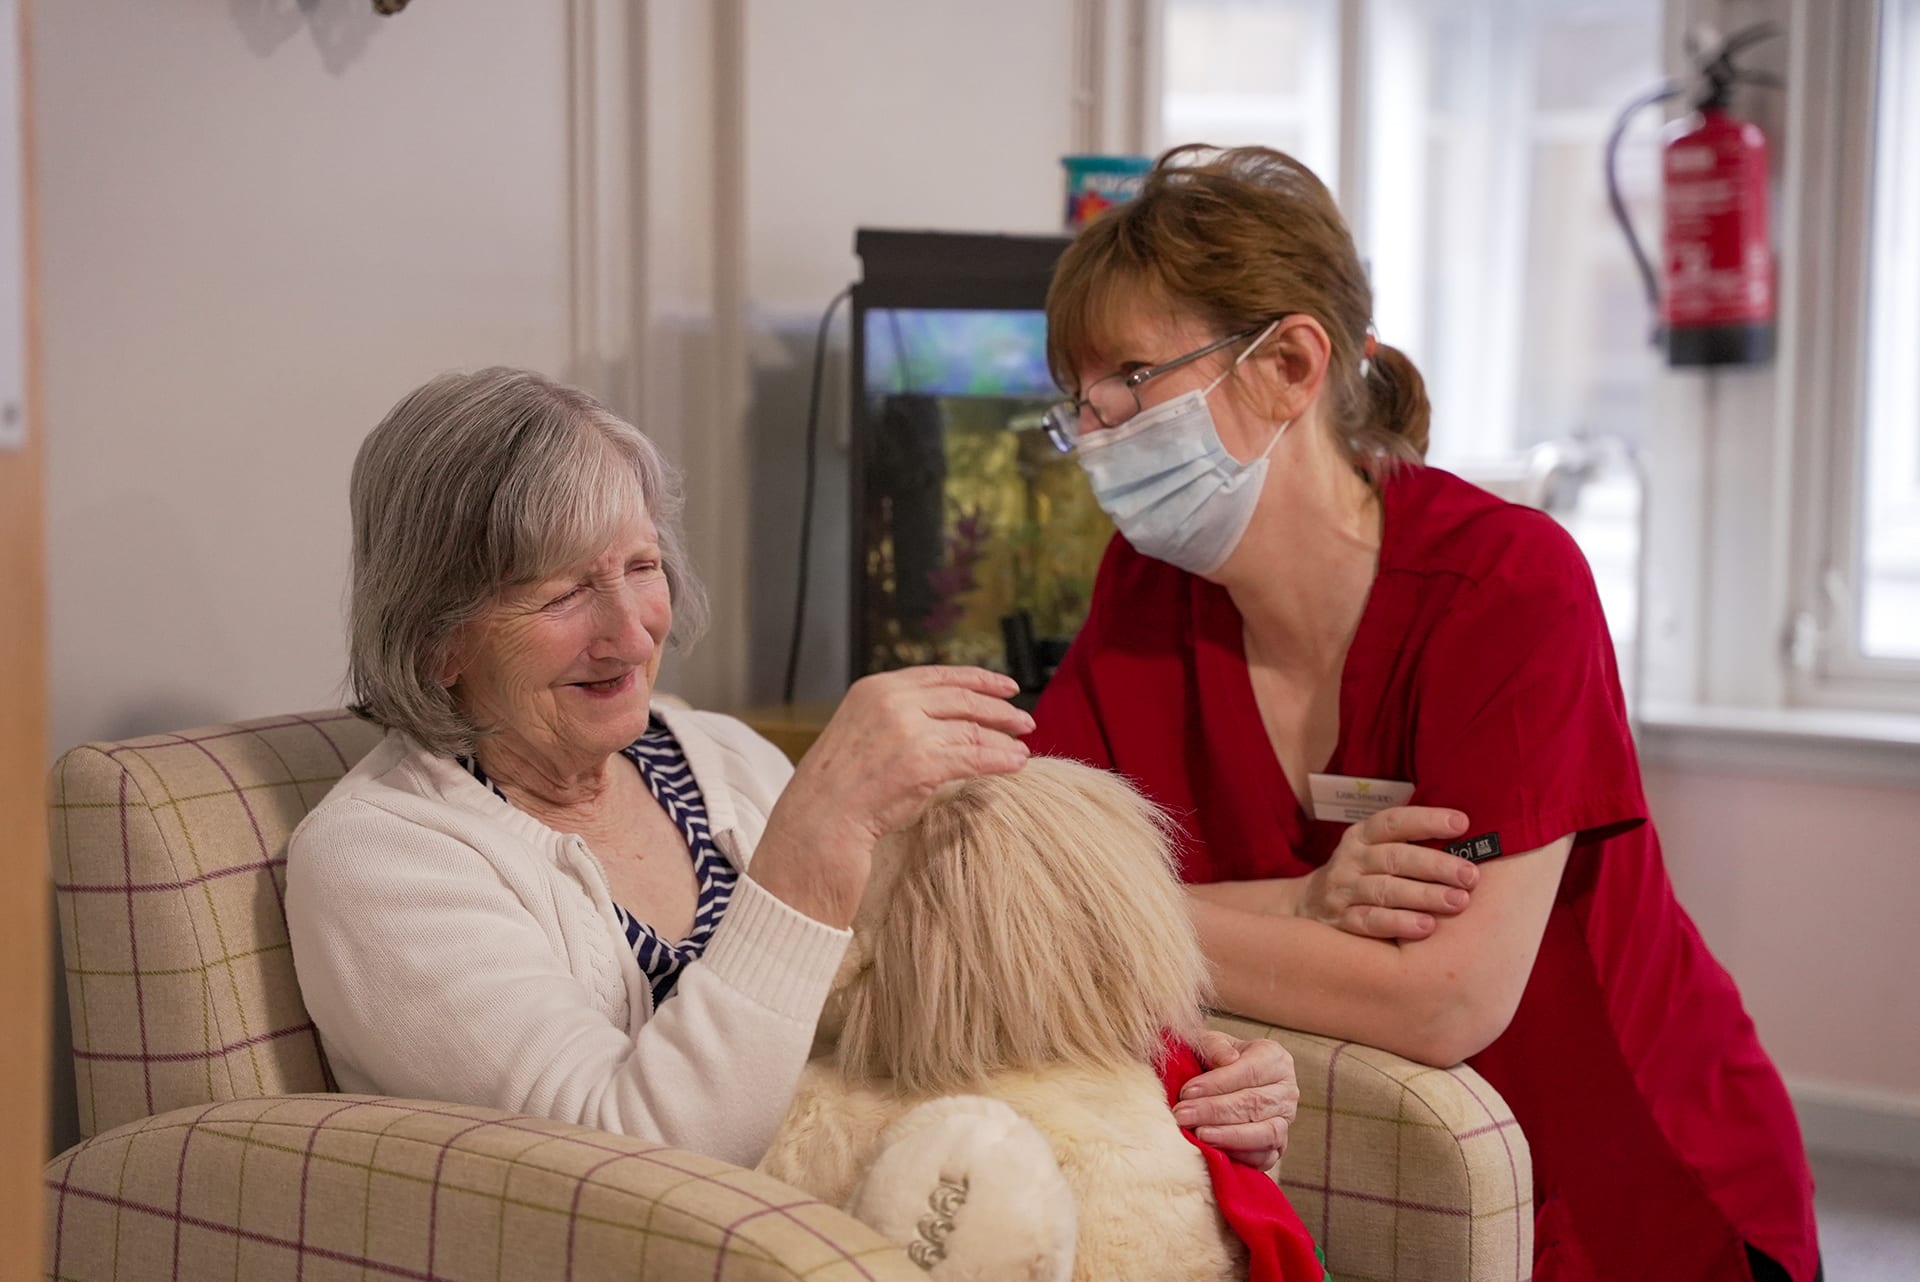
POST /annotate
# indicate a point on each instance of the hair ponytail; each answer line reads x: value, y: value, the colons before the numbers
x: 1397, y: 415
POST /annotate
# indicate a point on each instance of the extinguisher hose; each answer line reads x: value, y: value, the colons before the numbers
x: 1618, y: 205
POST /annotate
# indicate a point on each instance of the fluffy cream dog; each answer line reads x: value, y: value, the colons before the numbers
x: 1025, y: 940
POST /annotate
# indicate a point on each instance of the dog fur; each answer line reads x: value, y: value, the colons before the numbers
x: 1026, y: 939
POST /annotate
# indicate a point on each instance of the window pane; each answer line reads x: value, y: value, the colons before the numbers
x: 1890, y: 534
x: 1497, y: 264
x: 1254, y: 71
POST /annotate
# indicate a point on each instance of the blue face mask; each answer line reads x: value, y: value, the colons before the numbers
x: 1170, y: 485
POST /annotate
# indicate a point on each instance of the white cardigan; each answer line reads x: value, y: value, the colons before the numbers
x: 452, y: 947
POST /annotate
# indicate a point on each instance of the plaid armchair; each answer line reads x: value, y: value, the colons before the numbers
x: 216, y: 1147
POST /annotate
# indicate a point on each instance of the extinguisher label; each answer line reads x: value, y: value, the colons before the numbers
x: 1719, y: 259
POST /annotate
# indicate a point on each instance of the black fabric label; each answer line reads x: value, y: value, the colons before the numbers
x: 1477, y: 850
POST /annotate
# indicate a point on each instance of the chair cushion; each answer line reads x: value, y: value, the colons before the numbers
x: 169, y: 857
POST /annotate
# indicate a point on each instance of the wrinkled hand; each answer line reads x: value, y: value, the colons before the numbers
x: 1245, y: 1104
x: 896, y: 737
x: 1377, y: 884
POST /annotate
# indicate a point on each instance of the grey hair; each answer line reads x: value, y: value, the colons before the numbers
x: 476, y: 483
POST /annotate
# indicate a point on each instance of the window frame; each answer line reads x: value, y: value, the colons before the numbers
x: 1841, y: 50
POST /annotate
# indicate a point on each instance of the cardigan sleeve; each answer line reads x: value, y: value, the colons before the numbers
x: 428, y: 976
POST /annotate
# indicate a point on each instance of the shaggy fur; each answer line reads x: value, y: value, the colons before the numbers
x: 1026, y: 939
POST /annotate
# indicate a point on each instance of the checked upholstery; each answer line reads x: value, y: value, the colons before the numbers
x: 1402, y: 1171
x: 169, y: 863
x: 216, y: 1148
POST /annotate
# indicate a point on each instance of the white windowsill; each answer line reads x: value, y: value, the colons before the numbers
x: 1871, y: 748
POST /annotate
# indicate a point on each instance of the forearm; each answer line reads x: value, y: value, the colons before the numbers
x: 1439, y: 999
x: 1277, y: 896
x: 1295, y: 972
x: 813, y: 859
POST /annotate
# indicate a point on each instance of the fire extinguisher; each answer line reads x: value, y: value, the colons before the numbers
x: 1715, y: 295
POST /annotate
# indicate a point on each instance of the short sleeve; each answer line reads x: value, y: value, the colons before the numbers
x: 1520, y: 722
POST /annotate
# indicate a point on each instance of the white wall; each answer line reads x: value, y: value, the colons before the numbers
x: 948, y: 117
x: 263, y: 221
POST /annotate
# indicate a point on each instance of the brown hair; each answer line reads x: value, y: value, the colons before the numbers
x: 1239, y: 238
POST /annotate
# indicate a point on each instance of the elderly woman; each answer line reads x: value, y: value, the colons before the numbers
x: 544, y: 891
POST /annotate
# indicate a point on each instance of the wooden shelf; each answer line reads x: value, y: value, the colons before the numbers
x: 791, y: 727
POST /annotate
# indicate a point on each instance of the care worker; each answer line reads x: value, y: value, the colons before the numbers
x: 1384, y: 706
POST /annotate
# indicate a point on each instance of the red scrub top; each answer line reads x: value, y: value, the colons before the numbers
x: 1482, y: 672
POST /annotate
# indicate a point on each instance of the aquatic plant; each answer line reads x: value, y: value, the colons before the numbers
x: 955, y: 577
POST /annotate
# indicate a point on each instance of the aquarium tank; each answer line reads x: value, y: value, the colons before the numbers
x: 974, y: 539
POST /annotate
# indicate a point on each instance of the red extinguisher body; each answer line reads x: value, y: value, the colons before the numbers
x: 1718, y: 304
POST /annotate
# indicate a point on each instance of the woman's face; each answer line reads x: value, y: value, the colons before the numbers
x: 565, y: 667
x: 1147, y: 337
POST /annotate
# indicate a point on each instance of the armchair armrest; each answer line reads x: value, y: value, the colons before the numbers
x: 326, y: 1186
x: 1400, y: 1170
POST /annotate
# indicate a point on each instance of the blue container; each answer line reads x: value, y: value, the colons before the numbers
x: 1097, y: 183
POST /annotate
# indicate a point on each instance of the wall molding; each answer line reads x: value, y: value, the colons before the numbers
x: 718, y: 458
x: 583, y: 178
x: 605, y: 206
x: 1115, y: 89
x: 656, y: 261
x: 1849, y: 1121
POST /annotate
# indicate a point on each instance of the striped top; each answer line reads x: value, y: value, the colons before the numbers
x: 658, y: 757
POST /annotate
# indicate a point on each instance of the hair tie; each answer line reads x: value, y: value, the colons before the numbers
x: 1368, y: 349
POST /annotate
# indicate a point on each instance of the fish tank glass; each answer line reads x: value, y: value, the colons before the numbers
x: 975, y: 540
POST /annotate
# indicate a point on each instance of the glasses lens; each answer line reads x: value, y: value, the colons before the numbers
x: 1062, y: 424
x: 1113, y: 401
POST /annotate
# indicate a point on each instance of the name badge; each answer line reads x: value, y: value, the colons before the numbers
x: 1347, y: 799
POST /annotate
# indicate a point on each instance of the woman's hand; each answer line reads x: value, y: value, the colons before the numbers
x: 1377, y: 884
x: 895, y: 738
x: 1246, y: 1102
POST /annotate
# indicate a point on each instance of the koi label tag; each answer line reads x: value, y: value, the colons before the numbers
x: 1477, y: 850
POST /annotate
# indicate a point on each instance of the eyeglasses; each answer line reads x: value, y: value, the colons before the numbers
x: 1116, y: 398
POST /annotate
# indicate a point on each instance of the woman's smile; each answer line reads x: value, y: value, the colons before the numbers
x: 606, y: 688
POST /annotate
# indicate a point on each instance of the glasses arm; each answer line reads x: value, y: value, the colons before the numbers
x: 1140, y: 376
